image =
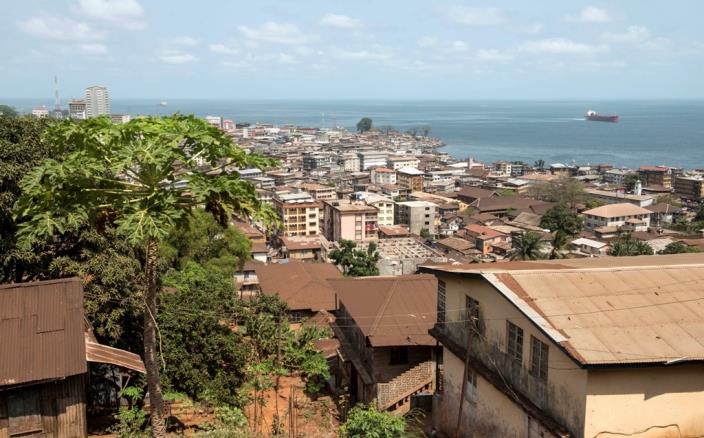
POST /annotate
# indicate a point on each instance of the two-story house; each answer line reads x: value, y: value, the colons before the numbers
x: 382, y: 325
x: 598, y: 347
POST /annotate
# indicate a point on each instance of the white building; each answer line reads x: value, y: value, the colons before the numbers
x: 97, y: 101
x: 615, y: 216
x: 77, y: 109
x: 40, y: 112
x: 399, y: 162
x: 369, y: 159
x: 349, y: 162
x: 214, y: 120
x: 418, y: 215
x: 383, y: 175
x: 385, y: 205
x: 616, y: 176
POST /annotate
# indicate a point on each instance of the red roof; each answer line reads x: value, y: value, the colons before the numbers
x: 482, y: 231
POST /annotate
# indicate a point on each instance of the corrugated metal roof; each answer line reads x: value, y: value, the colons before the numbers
x: 391, y: 311
x: 41, y: 331
x: 96, y: 352
x: 304, y: 286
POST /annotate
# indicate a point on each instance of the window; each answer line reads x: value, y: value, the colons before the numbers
x: 472, y: 314
x: 514, y: 342
x: 441, y: 302
x: 471, y: 392
x: 538, y: 359
x: 398, y: 356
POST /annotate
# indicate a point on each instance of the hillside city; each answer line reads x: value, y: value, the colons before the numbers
x: 212, y: 277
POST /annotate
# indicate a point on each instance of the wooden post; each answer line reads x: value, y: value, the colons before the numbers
x: 470, y: 332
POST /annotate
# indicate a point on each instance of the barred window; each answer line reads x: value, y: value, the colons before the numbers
x: 472, y: 314
x: 539, y: 359
x: 514, y: 342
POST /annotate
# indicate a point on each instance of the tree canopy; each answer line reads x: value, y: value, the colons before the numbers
x: 368, y: 422
x: 528, y: 246
x: 7, y: 111
x: 356, y: 262
x: 564, y: 190
x: 364, y: 124
x: 679, y: 248
x: 626, y: 245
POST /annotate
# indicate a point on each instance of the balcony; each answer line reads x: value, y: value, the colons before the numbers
x: 539, y: 398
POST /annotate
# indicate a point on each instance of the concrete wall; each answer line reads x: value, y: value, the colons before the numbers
x: 630, y: 400
x: 567, y: 384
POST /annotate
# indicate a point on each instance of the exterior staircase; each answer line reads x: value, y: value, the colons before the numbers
x: 396, y: 394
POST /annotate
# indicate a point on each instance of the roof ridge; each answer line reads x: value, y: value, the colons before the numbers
x: 383, y: 307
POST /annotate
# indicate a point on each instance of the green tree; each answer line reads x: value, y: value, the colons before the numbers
x: 629, y: 181
x: 145, y: 178
x: 593, y: 203
x: 364, y: 124
x: 356, y: 262
x: 368, y: 422
x: 564, y: 190
x: 699, y: 216
x: 425, y: 234
x: 563, y: 223
x: 21, y: 148
x: 528, y: 246
x: 539, y: 164
x: 679, y: 247
x: 7, y: 111
x: 626, y: 245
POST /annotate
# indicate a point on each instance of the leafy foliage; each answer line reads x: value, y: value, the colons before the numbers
x: 131, y: 419
x: 626, y: 245
x: 679, y: 248
x: 529, y: 246
x: 364, y: 124
x: 630, y: 180
x: 564, y: 223
x: 7, y: 111
x: 368, y: 422
x: 356, y: 262
x: 564, y: 190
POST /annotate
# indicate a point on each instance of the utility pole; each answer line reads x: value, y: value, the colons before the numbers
x: 470, y: 332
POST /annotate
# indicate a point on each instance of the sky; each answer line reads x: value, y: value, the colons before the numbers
x: 362, y: 49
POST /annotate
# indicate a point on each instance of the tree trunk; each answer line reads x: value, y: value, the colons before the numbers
x: 156, y: 401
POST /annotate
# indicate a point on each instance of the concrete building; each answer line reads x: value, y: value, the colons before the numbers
x: 617, y: 216
x: 214, y: 120
x: 299, y: 214
x: 77, y: 109
x: 369, y: 159
x: 349, y: 162
x: 350, y: 220
x: 119, y: 119
x: 383, y: 175
x: 616, y: 176
x: 97, y: 101
x: 383, y: 204
x: 655, y: 176
x: 410, y: 178
x: 399, y: 162
x: 319, y: 192
x: 417, y: 215
x: 623, y: 362
x: 690, y: 186
x: 40, y: 112
x: 503, y: 168
x: 316, y: 160
x: 619, y: 198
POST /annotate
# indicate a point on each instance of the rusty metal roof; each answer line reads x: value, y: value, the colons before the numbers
x: 612, y: 310
x: 304, y: 286
x: 41, y: 331
x: 100, y: 353
x: 391, y: 311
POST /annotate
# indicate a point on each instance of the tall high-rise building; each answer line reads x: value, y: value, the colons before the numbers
x: 97, y: 101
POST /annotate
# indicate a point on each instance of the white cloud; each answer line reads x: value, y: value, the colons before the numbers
x: 591, y: 14
x: 471, y: 16
x: 493, y: 55
x: 175, y: 57
x: 223, y: 49
x: 285, y: 58
x: 93, y: 49
x: 128, y: 14
x: 563, y: 46
x: 531, y: 29
x: 633, y: 34
x: 54, y: 28
x: 273, y: 32
x: 360, y: 55
x: 184, y: 41
x: 457, y: 46
x: 340, y: 21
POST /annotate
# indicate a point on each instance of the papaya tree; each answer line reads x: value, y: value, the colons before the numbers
x: 144, y: 178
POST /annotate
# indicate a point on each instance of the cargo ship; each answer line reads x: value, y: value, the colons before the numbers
x: 596, y: 117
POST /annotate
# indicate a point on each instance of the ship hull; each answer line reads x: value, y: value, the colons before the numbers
x: 598, y: 118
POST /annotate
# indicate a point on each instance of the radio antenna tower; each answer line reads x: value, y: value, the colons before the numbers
x: 57, y: 102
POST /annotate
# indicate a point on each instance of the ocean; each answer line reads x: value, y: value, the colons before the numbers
x: 667, y: 132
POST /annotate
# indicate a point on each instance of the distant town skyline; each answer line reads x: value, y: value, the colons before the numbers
x: 364, y: 50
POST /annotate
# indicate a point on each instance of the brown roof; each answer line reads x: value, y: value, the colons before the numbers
x: 41, y: 331
x: 483, y: 232
x: 96, y: 352
x: 394, y: 230
x: 391, y: 311
x: 472, y: 193
x: 298, y: 243
x: 617, y: 210
x: 663, y: 208
x: 259, y: 247
x: 248, y: 230
x: 611, y: 310
x: 500, y: 203
x: 456, y: 243
x: 304, y: 286
x: 653, y: 169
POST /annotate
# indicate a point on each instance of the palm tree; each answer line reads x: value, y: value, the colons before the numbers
x: 146, y: 178
x: 528, y: 246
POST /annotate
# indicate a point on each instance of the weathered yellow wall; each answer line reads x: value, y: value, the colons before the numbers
x: 567, y: 381
x: 634, y: 399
